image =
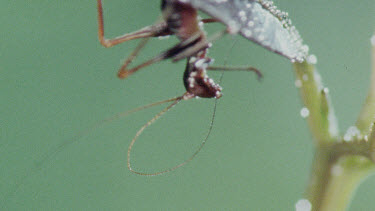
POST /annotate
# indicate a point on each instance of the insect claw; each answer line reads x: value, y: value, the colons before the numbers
x: 123, y: 74
x: 258, y: 72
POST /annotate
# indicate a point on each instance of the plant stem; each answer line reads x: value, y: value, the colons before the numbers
x: 338, y: 166
x: 367, y: 114
x: 319, y: 178
x: 343, y: 177
x: 321, y: 119
x: 336, y: 175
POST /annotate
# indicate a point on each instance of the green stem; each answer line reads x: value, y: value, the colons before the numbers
x: 321, y: 119
x: 338, y: 166
x: 319, y: 178
x: 336, y: 174
x: 367, y: 114
x: 345, y: 176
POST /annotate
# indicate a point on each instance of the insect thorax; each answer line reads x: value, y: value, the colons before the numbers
x: 181, y: 18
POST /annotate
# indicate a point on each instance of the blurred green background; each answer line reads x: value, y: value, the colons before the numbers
x: 56, y: 81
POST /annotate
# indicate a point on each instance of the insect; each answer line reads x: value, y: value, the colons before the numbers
x: 257, y: 20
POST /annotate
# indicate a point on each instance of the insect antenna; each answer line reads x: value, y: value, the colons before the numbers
x: 157, y: 116
x: 38, y: 166
x: 152, y: 121
x: 82, y: 134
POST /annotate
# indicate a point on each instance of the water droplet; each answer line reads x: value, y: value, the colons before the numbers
x: 365, y: 138
x: 242, y: 13
x: 373, y: 40
x: 164, y: 37
x: 351, y: 132
x: 312, y: 59
x: 347, y: 137
x: 303, y: 205
x: 305, y: 112
x: 298, y: 83
x: 233, y: 27
x: 305, y: 77
x: 247, y: 33
x: 326, y: 90
x: 201, y: 63
x: 336, y: 170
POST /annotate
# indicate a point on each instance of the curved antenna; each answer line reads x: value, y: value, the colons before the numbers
x: 181, y: 164
x: 101, y: 124
x: 40, y: 164
x: 157, y: 116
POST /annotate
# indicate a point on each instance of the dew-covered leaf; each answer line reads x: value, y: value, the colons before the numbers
x: 259, y: 21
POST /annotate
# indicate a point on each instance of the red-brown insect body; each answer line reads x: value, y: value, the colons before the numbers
x: 196, y: 80
x: 182, y: 20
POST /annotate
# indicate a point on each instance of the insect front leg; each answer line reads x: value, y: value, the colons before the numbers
x: 159, y: 29
x: 196, y: 46
x: 183, y: 49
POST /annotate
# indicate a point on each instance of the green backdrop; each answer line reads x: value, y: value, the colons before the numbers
x: 56, y: 80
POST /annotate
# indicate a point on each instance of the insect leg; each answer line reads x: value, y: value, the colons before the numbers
x: 198, y: 46
x: 159, y: 29
x: 123, y: 71
x: 249, y: 69
x: 178, y: 49
x: 209, y: 20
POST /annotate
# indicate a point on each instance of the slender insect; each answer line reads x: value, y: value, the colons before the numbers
x: 257, y: 20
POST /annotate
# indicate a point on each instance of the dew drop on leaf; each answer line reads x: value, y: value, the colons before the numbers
x: 303, y: 205
x: 305, y: 112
